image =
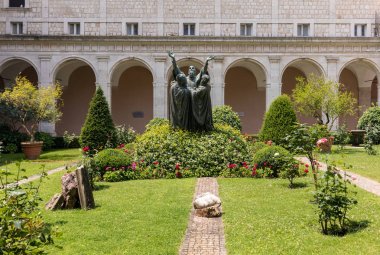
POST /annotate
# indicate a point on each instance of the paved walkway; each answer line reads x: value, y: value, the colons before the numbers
x: 360, y: 181
x: 204, y: 236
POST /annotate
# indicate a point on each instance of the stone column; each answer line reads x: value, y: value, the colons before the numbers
x: 273, y: 89
x: 364, y: 96
x: 378, y: 90
x: 160, y: 89
x: 217, y: 84
x: 44, y: 81
x: 332, y: 74
x: 102, y: 79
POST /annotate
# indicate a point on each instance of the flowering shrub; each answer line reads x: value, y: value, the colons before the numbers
x: 324, y: 144
x: 237, y: 170
x: 125, y: 135
x: 156, y: 122
x: 202, y: 154
x: 111, y: 159
x: 272, y: 159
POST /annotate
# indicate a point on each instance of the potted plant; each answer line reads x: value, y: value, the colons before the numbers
x: 28, y: 106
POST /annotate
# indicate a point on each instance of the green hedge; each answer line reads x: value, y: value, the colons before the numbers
x: 226, y: 116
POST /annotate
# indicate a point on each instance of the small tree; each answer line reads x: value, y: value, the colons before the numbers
x: 98, y: 131
x: 279, y: 120
x: 29, y: 105
x: 323, y: 99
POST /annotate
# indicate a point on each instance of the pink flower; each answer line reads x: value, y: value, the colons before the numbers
x: 86, y: 148
x: 177, y: 166
x: 269, y: 143
x: 265, y: 163
x: 133, y: 165
x: 322, y: 141
x: 108, y: 168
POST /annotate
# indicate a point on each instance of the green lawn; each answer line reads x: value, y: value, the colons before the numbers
x: 266, y: 217
x: 51, y: 159
x: 134, y: 217
x: 362, y: 163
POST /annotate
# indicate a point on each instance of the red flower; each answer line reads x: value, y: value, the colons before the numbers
x: 177, y: 166
x: 265, y: 163
x: 86, y: 148
x: 306, y: 165
x: 231, y: 165
x: 155, y: 163
x: 269, y: 143
x: 306, y: 170
x: 178, y: 174
x: 254, y: 172
x: 126, y: 151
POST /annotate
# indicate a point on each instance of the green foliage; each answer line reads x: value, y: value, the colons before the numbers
x: 237, y: 170
x: 226, y: 116
x: 46, y: 138
x: 9, y: 136
x: 203, y: 153
x: 22, y: 228
x: 11, y: 148
x: 125, y: 135
x: 30, y: 105
x: 274, y: 158
x: 256, y: 146
x: 279, y: 120
x: 70, y: 140
x: 342, y: 136
x: 316, y: 96
x: 156, y: 122
x: 370, y: 122
x: 98, y: 131
x: 333, y: 200
x: 111, y: 160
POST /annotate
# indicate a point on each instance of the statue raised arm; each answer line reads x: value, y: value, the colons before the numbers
x: 176, y: 69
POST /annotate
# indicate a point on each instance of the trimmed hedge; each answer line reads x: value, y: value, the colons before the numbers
x: 274, y: 157
x: 98, y: 131
x: 371, y: 120
x: 279, y: 120
x: 226, y: 116
x: 111, y: 160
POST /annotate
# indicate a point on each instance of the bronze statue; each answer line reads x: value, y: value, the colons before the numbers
x: 190, y: 100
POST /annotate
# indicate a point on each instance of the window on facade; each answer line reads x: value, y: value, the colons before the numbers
x: 74, y: 28
x: 303, y: 29
x: 188, y: 29
x: 16, y: 3
x: 246, y: 29
x: 132, y: 29
x: 360, y: 29
x: 16, y: 28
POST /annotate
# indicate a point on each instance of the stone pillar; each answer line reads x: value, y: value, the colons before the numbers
x: 160, y: 89
x: 217, y: 84
x: 273, y: 89
x: 364, y: 96
x: 378, y: 90
x: 332, y: 74
x: 44, y: 81
x: 102, y: 79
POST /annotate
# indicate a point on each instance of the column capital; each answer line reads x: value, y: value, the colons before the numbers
x: 274, y: 59
x: 160, y: 58
x: 331, y: 59
x: 44, y: 57
x: 218, y: 59
x: 103, y: 58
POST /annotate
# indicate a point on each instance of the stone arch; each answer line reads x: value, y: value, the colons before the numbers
x: 11, y: 67
x: 244, y: 91
x: 78, y: 79
x: 360, y: 77
x: 132, y: 93
x: 300, y: 67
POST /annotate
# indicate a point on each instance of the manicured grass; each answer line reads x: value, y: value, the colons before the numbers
x: 264, y: 216
x: 133, y: 217
x: 51, y: 159
x: 362, y: 163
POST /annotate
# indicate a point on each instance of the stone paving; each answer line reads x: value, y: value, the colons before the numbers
x: 204, y: 236
x: 360, y: 181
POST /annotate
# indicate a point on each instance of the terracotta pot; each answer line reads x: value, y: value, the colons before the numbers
x: 32, y: 150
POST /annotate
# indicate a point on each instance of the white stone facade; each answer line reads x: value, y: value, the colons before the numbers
x: 104, y: 45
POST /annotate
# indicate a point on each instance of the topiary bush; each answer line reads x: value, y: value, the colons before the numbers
x: 274, y: 159
x: 371, y: 120
x: 111, y: 160
x: 156, y: 122
x: 225, y: 115
x: 98, y: 131
x: 196, y: 153
x: 279, y: 120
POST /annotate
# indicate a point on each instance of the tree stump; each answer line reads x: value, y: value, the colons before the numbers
x: 84, y: 189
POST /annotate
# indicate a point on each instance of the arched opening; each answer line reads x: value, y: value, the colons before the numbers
x: 78, y: 81
x: 132, y: 98
x: 245, y: 97
x: 299, y: 68
x: 350, y: 83
x: 10, y: 69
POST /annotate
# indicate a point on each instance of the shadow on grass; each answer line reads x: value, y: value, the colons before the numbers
x: 99, y: 187
x: 351, y: 228
x: 296, y: 185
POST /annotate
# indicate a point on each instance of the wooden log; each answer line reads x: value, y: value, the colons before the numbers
x: 86, y: 197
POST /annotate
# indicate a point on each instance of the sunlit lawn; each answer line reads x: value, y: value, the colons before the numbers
x: 51, y: 159
x: 362, y: 163
x: 133, y: 217
x: 266, y: 217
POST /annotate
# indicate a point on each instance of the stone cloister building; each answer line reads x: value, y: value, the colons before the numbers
x: 260, y: 47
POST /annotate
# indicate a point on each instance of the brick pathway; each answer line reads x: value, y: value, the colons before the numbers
x: 204, y: 236
x: 360, y: 181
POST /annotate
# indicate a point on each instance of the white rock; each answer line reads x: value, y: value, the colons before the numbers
x: 206, y: 200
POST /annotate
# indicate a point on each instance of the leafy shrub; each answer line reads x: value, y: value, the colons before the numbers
x: 98, y: 131
x: 71, y: 140
x: 279, y: 120
x: 201, y: 153
x: 369, y: 120
x: 156, y: 122
x: 237, y: 170
x: 125, y: 135
x: 333, y: 200
x: 46, y: 138
x: 9, y: 136
x: 226, y: 116
x: 276, y: 158
x: 372, y: 133
x: 22, y: 228
x: 111, y: 160
x: 256, y: 146
x: 11, y: 148
x: 342, y: 136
